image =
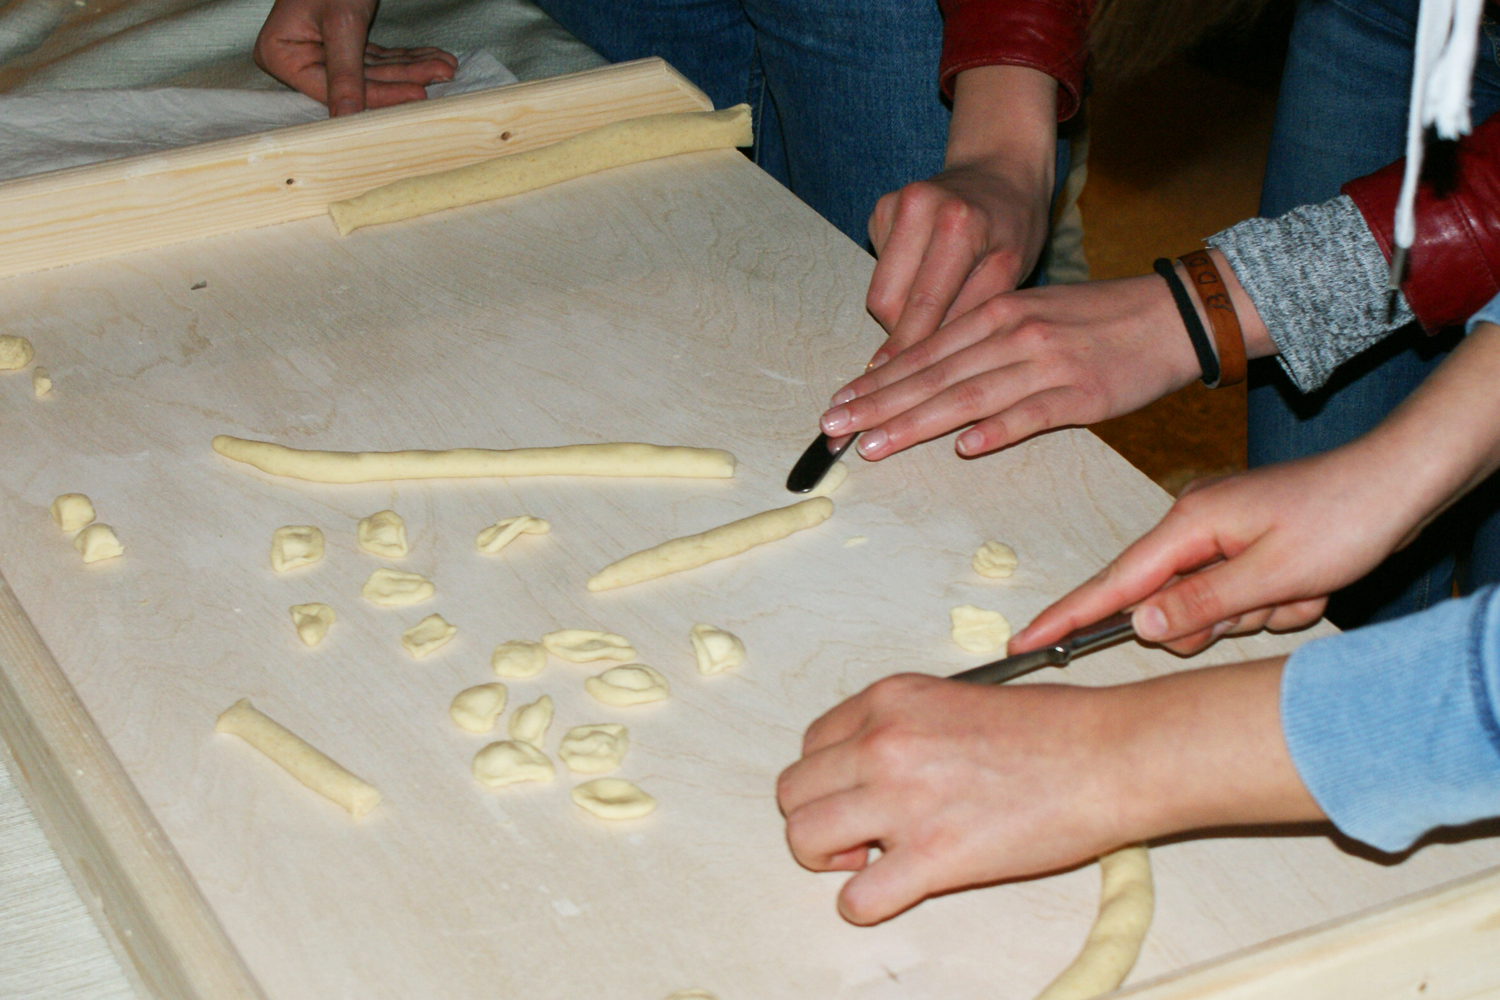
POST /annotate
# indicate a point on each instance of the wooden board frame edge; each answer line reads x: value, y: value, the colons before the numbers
x: 136, y: 203
x: 125, y: 869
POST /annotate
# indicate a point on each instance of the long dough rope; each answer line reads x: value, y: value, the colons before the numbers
x: 717, y: 543
x: 616, y: 145
x: 472, y: 463
x: 301, y: 759
x: 1126, y: 901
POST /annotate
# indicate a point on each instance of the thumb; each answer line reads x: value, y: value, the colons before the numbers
x: 898, y: 880
x: 1198, y: 602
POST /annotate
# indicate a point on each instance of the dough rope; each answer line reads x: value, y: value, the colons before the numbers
x: 615, y: 145
x: 718, y: 543
x: 299, y: 758
x: 1126, y: 901
x: 622, y: 459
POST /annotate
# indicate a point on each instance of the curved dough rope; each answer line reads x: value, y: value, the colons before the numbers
x: 1126, y: 900
x: 627, y: 459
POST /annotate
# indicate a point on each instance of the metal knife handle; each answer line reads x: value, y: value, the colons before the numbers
x: 1014, y: 666
x: 1098, y: 635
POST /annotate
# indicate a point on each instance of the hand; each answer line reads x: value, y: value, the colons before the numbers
x: 948, y: 243
x: 1023, y: 363
x: 961, y: 785
x: 322, y: 48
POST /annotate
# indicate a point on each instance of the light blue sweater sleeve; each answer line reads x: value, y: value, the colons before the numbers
x: 1395, y: 728
x: 1489, y: 314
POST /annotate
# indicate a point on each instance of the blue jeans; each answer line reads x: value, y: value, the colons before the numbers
x: 1342, y: 114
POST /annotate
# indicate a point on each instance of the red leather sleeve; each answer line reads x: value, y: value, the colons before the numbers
x: 1454, y: 265
x: 1049, y: 35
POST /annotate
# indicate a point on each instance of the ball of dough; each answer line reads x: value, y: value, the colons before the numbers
x: 995, y: 560
x: 41, y: 382
x: 476, y: 708
x: 635, y: 684
x: 428, y: 636
x: 594, y: 749
x: 978, y: 630
x: 584, y: 645
x: 528, y: 724
x: 295, y: 545
x: 383, y: 534
x: 612, y: 798
x: 15, y: 353
x: 393, y: 588
x: 311, y: 622
x: 500, y: 534
x: 72, y: 511
x: 518, y: 658
x: 507, y: 763
x: 98, y: 542
x: 715, y: 649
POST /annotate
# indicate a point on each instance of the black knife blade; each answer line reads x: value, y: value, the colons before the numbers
x: 815, y: 462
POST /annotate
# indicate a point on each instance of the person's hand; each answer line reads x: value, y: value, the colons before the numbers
x: 961, y: 785
x: 946, y: 244
x: 322, y: 48
x: 1022, y: 363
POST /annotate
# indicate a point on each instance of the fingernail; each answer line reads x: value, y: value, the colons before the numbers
x: 841, y: 397
x: 834, y: 421
x: 879, y: 359
x: 969, y: 442
x: 1149, y: 622
x: 871, y: 442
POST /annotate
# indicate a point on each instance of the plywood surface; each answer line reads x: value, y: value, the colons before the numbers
x: 684, y: 301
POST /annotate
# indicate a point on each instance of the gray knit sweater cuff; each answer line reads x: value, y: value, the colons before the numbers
x: 1318, y: 279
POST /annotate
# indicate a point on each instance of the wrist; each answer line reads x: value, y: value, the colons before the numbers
x: 1258, y: 342
x: 1004, y: 117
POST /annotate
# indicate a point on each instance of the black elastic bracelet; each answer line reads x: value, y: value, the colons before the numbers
x: 1207, y: 359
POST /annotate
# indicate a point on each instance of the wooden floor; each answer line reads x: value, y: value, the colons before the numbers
x: 1163, y: 174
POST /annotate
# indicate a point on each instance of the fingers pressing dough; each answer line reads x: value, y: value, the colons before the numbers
x: 612, y: 798
x: 383, y: 534
x: 995, y: 560
x: 1126, y: 902
x: 594, y: 749
x: 394, y: 588
x: 312, y: 622
x: 518, y: 658
x: 507, y: 763
x: 528, y: 724
x: 500, y: 534
x: 301, y: 759
x: 635, y: 684
x: 978, y: 630
x: 428, y: 636
x: 584, y: 645
x: 717, y: 543
x: 72, y: 511
x: 477, y: 708
x: 15, y: 353
x: 626, y: 459
x: 615, y: 145
x: 715, y: 649
x: 295, y: 545
x: 98, y: 542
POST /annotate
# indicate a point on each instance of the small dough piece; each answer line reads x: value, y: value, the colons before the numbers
x: 978, y: 630
x: 614, y: 145
x: 715, y: 649
x: 619, y: 459
x: 995, y: 560
x: 832, y: 480
x: 612, y: 798
x: 585, y: 645
x: 594, y: 749
x: 518, y: 658
x: 15, y: 353
x: 295, y: 545
x: 633, y: 684
x: 98, y: 542
x: 311, y: 622
x: 394, y: 588
x: 528, y: 724
x: 855, y: 540
x: 383, y: 534
x: 301, y: 759
x: 477, y: 708
x: 507, y: 763
x: 691, y: 994
x: 428, y: 636
x: 72, y: 511
x: 500, y: 534
x: 41, y: 381
x: 1126, y: 902
x: 722, y: 542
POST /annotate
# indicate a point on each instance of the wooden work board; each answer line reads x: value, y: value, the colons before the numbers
x: 683, y: 301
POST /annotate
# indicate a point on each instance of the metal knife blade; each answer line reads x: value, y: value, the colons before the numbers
x: 816, y: 461
x: 1085, y: 640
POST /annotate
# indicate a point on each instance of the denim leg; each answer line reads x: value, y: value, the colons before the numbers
x: 1341, y: 114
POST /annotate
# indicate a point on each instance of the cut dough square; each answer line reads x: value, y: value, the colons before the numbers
x: 507, y: 763
x: 295, y: 545
x: 500, y: 534
x: 394, y: 588
x: 98, y: 542
x: 584, y: 645
x: 428, y: 636
x: 518, y: 658
x: 383, y: 534
x: 635, y: 684
x: 312, y: 622
x: 72, y: 511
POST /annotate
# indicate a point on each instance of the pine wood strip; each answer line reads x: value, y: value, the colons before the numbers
x: 119, y: 206
x: 124, y: 867
x: 1438, y: 945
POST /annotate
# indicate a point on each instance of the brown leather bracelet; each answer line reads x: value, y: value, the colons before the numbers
x: 1229, y: 338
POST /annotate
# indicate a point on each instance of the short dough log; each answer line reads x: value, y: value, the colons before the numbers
x: 832, y: 480
x: 1126, y: 901
x: 616, y: 145
x: 618, y: 460
x: 612, y: 798
x: 717, y: 543
x: 394, y: 588
x: 312, y: 622
x: 72, y: 511
x: 98, y: 542
x: 301, y: 759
